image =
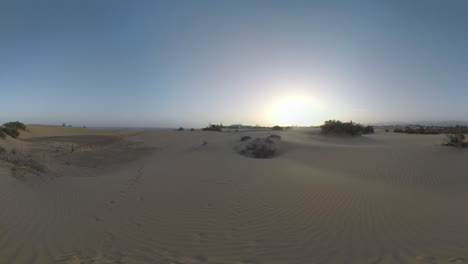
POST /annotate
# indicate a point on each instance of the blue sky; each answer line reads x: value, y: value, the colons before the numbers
x: 188, y: 63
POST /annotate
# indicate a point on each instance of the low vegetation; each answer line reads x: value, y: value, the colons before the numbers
x: 431, y: 130
x: 456, y: 140
x: 19, y: 160
x: 11, y: 129
x: 276, y: 128
x: 245, y: 138
x: 274, y: 137
x: 180, y: 129
x: 260, y: 148
x: 351, y: 128
x: 218, y: 128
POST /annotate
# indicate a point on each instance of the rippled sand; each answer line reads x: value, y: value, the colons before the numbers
x: 161, y: 196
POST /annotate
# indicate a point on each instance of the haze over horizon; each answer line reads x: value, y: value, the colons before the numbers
x: 190, y: 63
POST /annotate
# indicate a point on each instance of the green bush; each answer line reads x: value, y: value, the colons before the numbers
x: 15, y: 125
x: 351, y: 128
x: 11, y: 129
x: 11, y: 132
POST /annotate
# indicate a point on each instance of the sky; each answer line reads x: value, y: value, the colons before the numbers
x: 189, y: 63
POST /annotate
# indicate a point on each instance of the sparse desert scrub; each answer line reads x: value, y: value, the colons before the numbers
x: 260, y: 148
x: 431, y: 130
x: 456, y: 140
x: 218, y: 128
x: 276, y: 128
x: 351, y: 128
x: 20, y: 160
x: 2, y: 134
x: 274, y: 136
x: 245, y: 138
x: 180, y: 129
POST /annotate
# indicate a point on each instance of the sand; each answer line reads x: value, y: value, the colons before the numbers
x: 161, y: 196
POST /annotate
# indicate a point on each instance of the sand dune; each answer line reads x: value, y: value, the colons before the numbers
x: 162, y: 196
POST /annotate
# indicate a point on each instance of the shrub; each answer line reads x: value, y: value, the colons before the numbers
x: 11, y: 129
x: 20, y: 160
x: 276, y: 128
x: 274, y: 137
x: 456, y: 140
x: 245, y: 138
x: 398, y: 130
x: 192, y: 129
x: 180, y: 129
x: 351, y: 128
x: 218, y: 128
x: 15, y: 125
x: 368, y: 130
x: 386, y: 130
x: 260, y: 148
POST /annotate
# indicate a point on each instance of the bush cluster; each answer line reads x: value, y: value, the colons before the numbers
x: 11, y: 129
x: 218, y: 128
x: 432, y: 130
x: 351, y: 128
x: 276, y: 128
x: 456, y: 140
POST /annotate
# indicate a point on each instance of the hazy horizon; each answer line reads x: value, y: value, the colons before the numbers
x: 176, y: 63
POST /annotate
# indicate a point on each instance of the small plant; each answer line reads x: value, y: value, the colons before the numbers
x: 180, y: 129
x: 2, y: 133
x: 192, y: 129
x: 204, y: 143
x: 456, y: 140
x: 276, y: 128
x: 386, y: 130
x: 245, y: 138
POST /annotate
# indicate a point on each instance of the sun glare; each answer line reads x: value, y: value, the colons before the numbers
x: 295, y: 110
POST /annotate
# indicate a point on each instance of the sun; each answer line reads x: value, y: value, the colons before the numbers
x: 295, y: 110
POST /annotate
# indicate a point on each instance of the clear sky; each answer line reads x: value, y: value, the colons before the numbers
x: 187, y: 63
